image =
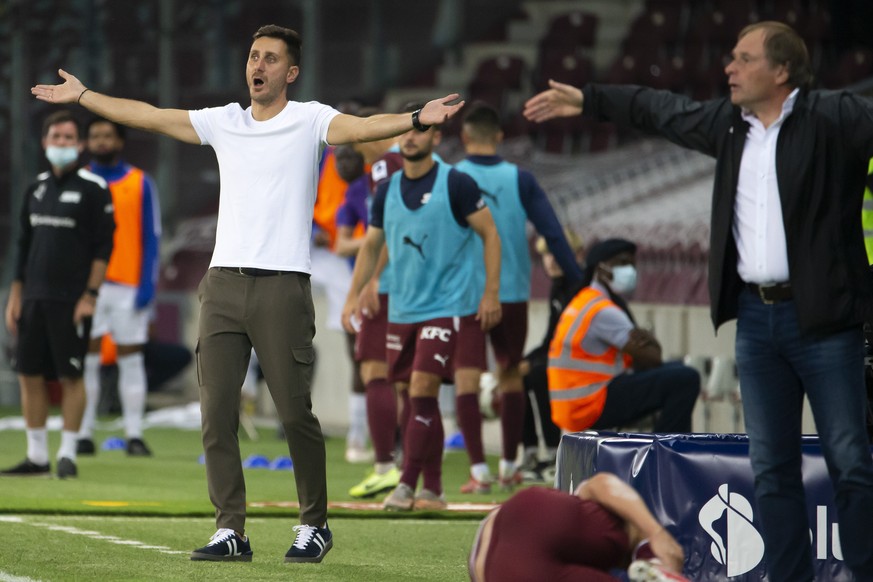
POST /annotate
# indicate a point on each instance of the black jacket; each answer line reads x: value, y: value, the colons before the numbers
x: 562, y: 292
x: 822, y: 155
x: 66, y: 223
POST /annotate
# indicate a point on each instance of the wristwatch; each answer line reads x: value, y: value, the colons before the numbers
x: 416, y: 122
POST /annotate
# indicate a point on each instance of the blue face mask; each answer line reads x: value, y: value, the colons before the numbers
x: 61, y: 157
x: 624, y: 279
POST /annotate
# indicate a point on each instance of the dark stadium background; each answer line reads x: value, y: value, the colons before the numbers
x: 191, y: 53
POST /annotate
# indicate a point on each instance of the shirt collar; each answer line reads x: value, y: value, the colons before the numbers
x: 787, y: 108
x: 485, y: 160
x: 597, y: 285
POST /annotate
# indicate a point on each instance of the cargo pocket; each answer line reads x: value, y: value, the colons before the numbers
x: 197, y: 363
x: 304, y: 360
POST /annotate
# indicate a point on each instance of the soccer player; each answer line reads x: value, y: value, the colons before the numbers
x: 124, y: 306
x: 545, y: 534
x: 332, y: 274
x: 386, y: 408
x: 257, y: 292
x: 513, y: 197
x: 428, y: 215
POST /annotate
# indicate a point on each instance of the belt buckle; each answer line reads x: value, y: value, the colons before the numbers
x: 763, y: 298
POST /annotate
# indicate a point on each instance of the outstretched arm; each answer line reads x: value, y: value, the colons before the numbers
x: 351, y: 129
x: 622, y: 500
x: 559, y: 101
x: 174, y: 123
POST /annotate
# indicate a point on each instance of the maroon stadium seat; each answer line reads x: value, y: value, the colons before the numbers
x: 852, y: 66
x: 571, y: 30
x: 563, y: 67
x: 495, y: 77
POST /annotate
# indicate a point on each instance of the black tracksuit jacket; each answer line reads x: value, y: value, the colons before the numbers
x: 66, y: 223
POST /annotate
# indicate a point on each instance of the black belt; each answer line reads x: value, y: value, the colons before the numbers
x: 770, y: 294
x: 252, y: 272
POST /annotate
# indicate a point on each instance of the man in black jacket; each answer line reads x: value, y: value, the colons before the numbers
x: 787, y: 260
x: 67, y: 225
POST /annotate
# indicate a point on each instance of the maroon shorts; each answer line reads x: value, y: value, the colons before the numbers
x: 546, y: 534
x: 470, y: 349
x: 426, y: 346
x: 370, y: 339
x: 509, y: 336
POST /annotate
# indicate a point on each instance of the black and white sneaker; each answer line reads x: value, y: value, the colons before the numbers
x: 310, y: 545
x: 26, y: 468
x: 67, y: 468
x: 225, y: 546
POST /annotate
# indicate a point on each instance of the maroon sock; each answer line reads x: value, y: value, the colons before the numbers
x: 404, y: 413
x: 511, y: 422
x: 432, y: 471
x: 382, y: 418
x: 470, y: 422
x: 423, y: 415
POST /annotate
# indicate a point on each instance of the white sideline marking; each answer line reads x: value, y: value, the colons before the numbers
x: 7, y: 577
x: 83, y: 532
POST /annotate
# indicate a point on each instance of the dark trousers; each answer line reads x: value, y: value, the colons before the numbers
x: 670, y: 390
x: 777, y: 366
x: 274, y: 315
x: 536, y: 385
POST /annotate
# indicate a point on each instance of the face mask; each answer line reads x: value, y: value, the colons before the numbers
x: 624, y: 279
x: 61, y: 157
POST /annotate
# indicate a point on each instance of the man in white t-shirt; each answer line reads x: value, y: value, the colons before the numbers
x: 256, y: 292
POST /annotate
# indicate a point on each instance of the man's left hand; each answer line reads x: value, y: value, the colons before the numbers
x: 490, y: 312
x: 439, y: 110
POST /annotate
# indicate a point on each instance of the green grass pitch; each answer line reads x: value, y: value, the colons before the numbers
x: 138, y: 519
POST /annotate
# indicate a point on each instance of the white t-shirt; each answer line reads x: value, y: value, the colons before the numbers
x: 269, y: 176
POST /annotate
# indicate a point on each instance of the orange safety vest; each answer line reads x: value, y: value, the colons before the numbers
x: 125, y: 263
x: 108, y: 351
x: 331, y: 193
x: 577, y: 379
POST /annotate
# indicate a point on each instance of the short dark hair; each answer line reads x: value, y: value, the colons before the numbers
x: 290, y: 37
x: 481, y: 121
x: 62, y: 116
x: 783, y: 46
x: 604, y: 251
x: 120, y: 130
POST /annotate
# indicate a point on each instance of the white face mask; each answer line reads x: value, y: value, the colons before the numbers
x: 624, y: 279
x: 61, y: 157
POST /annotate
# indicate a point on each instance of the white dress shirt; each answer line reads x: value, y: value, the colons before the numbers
x: 758, y: 227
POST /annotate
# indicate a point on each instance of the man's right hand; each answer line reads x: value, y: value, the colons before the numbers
x: 66, y: 92
x: 13, y: 307
x: 13, y: 313
x: 350, y: 310
x: 667, y: 549
x: 559, y: 101
x: 368, y: 300
x: 641, y: 338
